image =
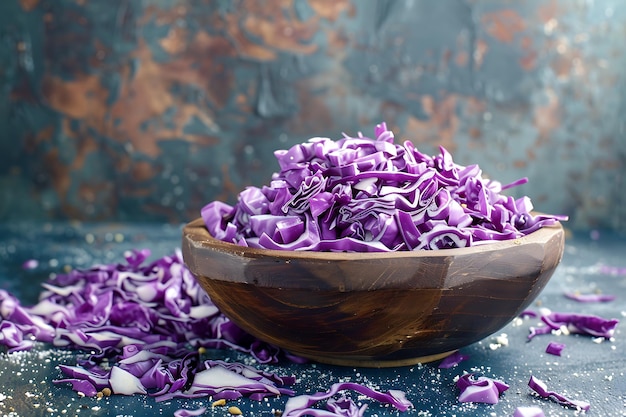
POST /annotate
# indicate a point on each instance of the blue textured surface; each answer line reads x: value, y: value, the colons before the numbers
x: 595, y: 372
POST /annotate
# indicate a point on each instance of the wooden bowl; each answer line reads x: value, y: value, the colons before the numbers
x: 373, y: 309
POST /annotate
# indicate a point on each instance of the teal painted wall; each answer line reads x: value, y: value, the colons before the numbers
x: 146, y: 110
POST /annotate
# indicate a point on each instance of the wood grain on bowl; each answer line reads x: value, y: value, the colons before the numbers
x: 373, y: 309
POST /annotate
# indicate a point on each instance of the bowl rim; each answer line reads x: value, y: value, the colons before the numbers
x: 196, y: 232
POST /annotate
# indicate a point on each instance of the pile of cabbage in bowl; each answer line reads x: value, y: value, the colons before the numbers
x: 358, y: 194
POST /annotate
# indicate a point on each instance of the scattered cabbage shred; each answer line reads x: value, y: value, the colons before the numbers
x: 555, y: 348
x: 344, y: 405
x: 587, y: 324
x: 359, y: 194
x: 541, y: 389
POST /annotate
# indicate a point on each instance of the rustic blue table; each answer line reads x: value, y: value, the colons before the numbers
x: 589, y: 369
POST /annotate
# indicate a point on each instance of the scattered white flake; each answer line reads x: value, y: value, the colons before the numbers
x: 609, y: 377
x: 517, y: 321
x: 598, y: 340
x: 544, y: 311
x: 503, y: 339
x: 499, y: 341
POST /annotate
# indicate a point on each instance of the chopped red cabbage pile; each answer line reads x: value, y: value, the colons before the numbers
x: 148, y: 320
x: 480, y: 389
x: 143, y: 327
x: 107, y: 307
x: 575, y: 323
x: 541, y: 389
x: 344, y: 405
x: 359, y: 194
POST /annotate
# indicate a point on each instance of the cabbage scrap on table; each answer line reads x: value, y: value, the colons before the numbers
x: 359, y: 194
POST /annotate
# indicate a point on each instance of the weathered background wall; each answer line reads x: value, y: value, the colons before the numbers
x: 148, y: 109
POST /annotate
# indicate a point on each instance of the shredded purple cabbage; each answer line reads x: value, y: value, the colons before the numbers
x: 149, y: 372
x: 555, y: 348
x: 147, y: 320
x: 343, y: 406
x: 358, y: 194
x: 453, y: 360
x: 189, y: 413
x: 575, y: 323
x: 589, y: 298
x: 480, y: 389
x: 541, y: 389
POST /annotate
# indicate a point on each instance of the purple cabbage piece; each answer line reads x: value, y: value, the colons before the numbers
x: 480, y: 389
x: 82, y: 386
x: 541, y: 389
x: 18, y: 327
x: 589, y: 298
x: 343, y: 406
x: 146, y: 371
x: 555, y: 348
x: 576, y: 323
x: 358, y: 194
